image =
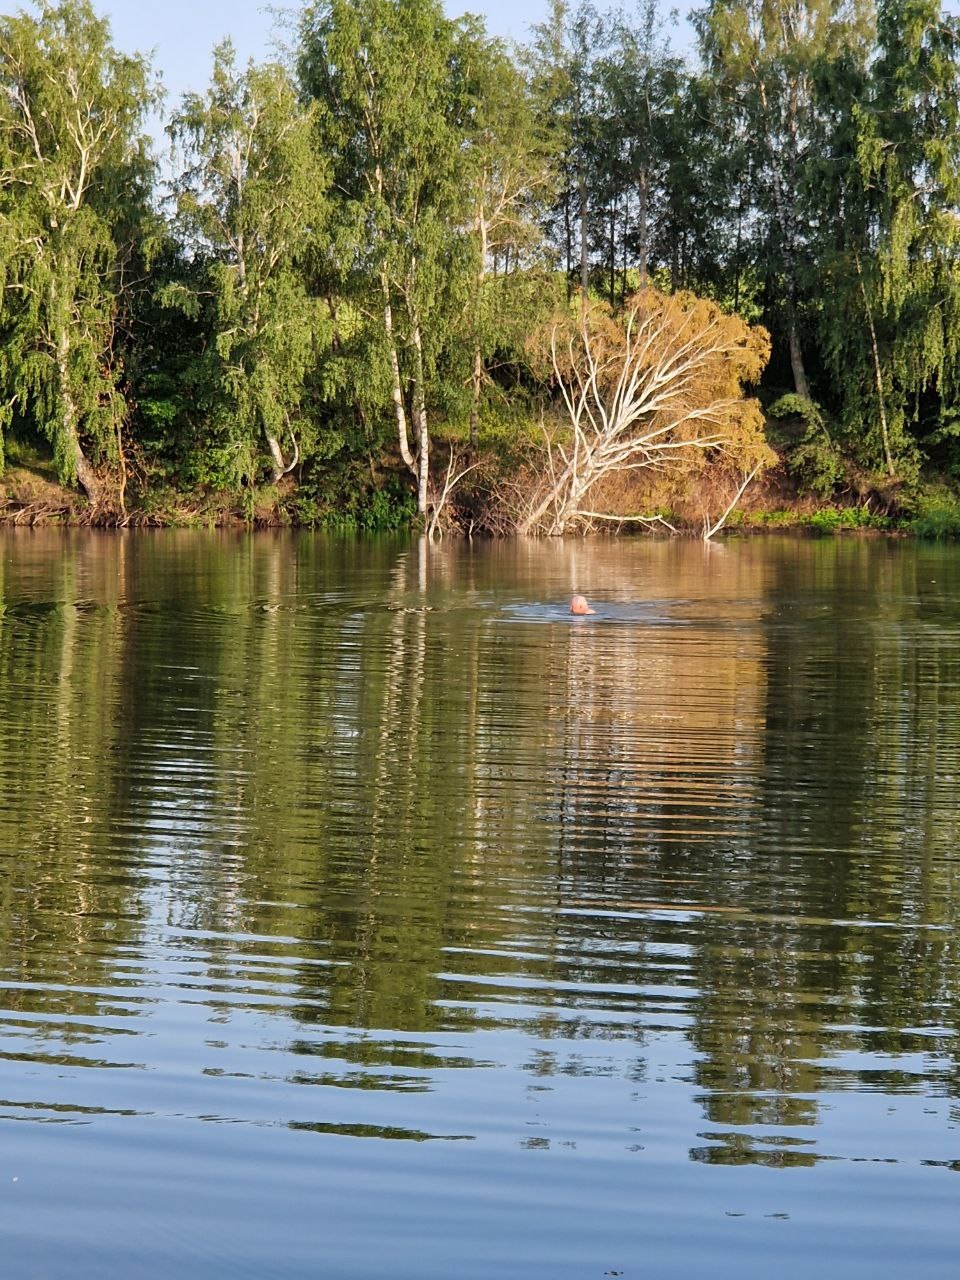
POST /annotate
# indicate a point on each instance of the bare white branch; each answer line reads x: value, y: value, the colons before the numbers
x: 641, y: 394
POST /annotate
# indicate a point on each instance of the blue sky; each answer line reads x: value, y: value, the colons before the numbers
x: 181, y: 33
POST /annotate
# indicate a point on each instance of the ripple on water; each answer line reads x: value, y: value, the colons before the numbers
x: 593, y: 929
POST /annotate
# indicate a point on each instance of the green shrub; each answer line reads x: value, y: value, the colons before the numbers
x: 824, y: 520
x: 816, y: 465
x: 935, y: 515
x: 814, y: 461
x: 355, y: 508
x: 942, y: 445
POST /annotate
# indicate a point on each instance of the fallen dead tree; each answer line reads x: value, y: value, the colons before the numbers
x: 657, y: 386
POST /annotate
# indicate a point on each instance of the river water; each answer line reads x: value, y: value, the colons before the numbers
x: 364, y: 914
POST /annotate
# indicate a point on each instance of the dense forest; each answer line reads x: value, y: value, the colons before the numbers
x: 406, y: 273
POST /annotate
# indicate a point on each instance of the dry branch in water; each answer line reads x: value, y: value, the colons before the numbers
x: 660, y: 385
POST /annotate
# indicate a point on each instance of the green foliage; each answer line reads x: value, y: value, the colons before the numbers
x: 250, y: 204
x: 935, y: 515
x: 392, y: 82
x: 891, y: 319
x: 834, y: 519
x: 827, y: 519
x: 380, y: 511
x: 510, y: 177
x: 344, y: 499
x: 807, y: 411
x: 766, y: 59
x: 815, y: 464
x: 173, y: 409
x: 943, y: 442
x: 73, y: 205
x: 813, y: 461
x: 360, y: 254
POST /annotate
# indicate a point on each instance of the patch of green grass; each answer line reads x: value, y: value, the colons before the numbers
x: 823, y: 520
x: 764, y: 519
x: 832, y: 519
x: 23, y: 453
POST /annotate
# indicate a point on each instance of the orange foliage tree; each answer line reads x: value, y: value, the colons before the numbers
x: 658, y: 385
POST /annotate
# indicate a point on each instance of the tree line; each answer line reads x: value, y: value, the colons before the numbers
x: 408, y: 271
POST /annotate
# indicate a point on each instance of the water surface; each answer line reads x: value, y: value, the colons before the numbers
x: 364, y: 914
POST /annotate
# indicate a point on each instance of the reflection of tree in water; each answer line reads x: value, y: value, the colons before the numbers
x: 655, y: 791
x: 768, y: 764
x: 354, y: 780
x: 505, y: 804
x: 437, y: 801
x: 848, y: 947
x: 69, y: 899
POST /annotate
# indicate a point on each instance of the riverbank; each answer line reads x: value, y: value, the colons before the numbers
x: 30, y: 496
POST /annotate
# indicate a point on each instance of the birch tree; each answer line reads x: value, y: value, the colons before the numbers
x: 509, y: 180
x: 764, y: 56
x: 563, y: 62
x: 73, y: 179
x: 890, y: 187
x: 390, y: 89
x: 250, y: 204
x: 638, y: 80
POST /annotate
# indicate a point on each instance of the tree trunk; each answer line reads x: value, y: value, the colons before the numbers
x: 73, y: 451
x: 623, y: 236
x: 476, y: 379
x: 568, y: 234
x: 558, y: 497
x: 396, y: 389
x: 584, y: 253
x: 801, y: 386
x: 280, y: 466
x: 423, y: 432
x: 643, y: 228
x: 674, y: 260
x: 877, y: 372
x: 783, y: 205
x: 86, y: 475
x: 476, y: 382
x: 613, y: 253
x: 785, y: 219
x: 737, y: 252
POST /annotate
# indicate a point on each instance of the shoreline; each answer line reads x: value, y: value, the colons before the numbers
x: 31, y: 499
x: 758, y: 523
